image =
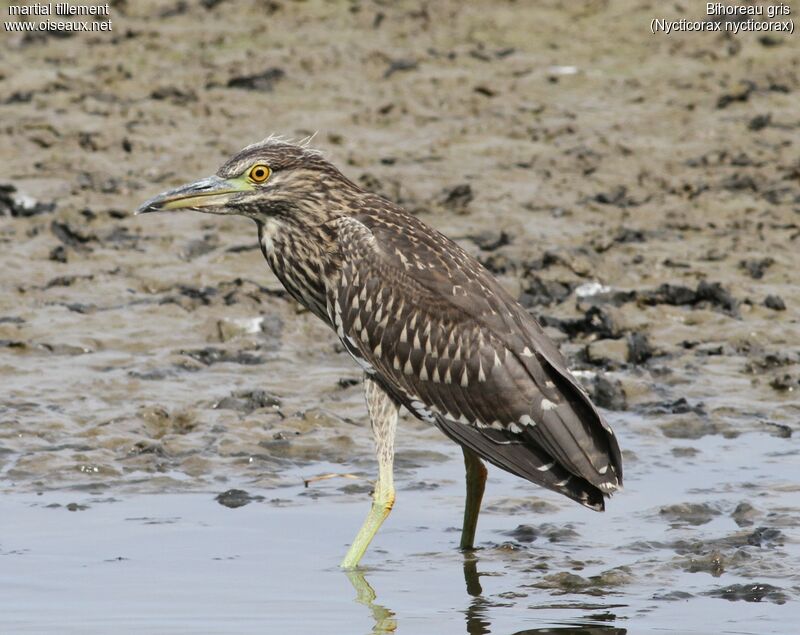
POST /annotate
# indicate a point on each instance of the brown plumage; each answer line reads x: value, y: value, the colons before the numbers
x: 427, y: 323
x: 442, y: 336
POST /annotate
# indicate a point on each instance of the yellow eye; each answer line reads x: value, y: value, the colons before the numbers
x: 259, y: 173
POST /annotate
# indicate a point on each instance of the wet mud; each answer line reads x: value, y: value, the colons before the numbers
x: 639, y: 194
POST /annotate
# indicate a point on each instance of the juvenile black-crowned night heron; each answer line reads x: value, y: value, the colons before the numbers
x: 432, y: 329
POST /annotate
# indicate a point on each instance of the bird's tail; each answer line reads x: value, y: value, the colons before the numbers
x: 526, y: 461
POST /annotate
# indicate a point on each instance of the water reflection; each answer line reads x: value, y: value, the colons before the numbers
x: 365, y: 594
x: 478, y: 621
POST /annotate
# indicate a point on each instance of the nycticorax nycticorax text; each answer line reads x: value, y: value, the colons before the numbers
x: 432, y: 329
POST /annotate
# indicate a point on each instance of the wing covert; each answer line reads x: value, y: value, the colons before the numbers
x: 450, y: 343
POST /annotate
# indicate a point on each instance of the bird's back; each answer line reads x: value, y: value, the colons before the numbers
x: 441, y: 335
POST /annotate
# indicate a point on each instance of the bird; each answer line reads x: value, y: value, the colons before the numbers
x: 434, y: 332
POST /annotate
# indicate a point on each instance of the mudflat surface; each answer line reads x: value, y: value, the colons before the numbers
x: 639, y: 193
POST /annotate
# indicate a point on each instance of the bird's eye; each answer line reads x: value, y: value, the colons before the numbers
x: 259, y: 173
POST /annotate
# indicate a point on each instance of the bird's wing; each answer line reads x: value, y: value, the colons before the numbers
x: 439, y: 332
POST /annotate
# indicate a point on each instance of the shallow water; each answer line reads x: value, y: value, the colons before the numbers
x: 182, y: 563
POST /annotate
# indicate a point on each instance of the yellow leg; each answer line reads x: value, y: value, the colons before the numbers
x: 476, y: 483
x: 382, y: 502
x: 383, y: 412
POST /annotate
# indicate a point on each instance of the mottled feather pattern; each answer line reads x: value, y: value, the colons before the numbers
x: 432, y: 327
x: 441, y: 335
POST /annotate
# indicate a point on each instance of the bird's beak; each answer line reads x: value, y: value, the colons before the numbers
x: 210, y: 194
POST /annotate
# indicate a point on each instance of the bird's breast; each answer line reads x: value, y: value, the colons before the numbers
x: 295, y: 262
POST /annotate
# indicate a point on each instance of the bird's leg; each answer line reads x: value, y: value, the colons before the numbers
x: 383, y: 411
x: 476, y: 482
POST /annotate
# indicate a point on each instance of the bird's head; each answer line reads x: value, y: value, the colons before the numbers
x: 268, y: 180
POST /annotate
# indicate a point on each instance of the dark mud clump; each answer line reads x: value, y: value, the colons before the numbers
x: 234, y: 498
x: 457, y: 198
x: 246, y: 401
x: 775, y: 302
x: 712, y: 563
x: 750, y: 593
x: 690, y: 513
x: 765, y: 537
x: 264, y: 81
x: 400, y: 65
x: 706, y: 293
x: 542, y: 292
x: 785, y: 382
x: 71, y: 237
x: 693, y: 427
x: 490, y: 240
x: 595, y: 321
x: 175, y: 95
x: 673, y: 407
x: 745, y: 514
x: 546, y: 531
x: 516, y: 506
x: 16, y: 205
x: 607, y: 392
x: 755, y: 267
x: 211, y: 355
x: 224, y: 293
x: 598, y: 585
